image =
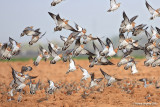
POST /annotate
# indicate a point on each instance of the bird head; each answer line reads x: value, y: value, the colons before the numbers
x: 60, y: 55
x: 107, y: 47
x: 31, y: 27
x: 133, y: 24
x: 45, y: 53
x: 19, y: 45
x: 77, y: 67
x: 33, y: 82
x: 82, y: 46
x: 9, y: 49
x: 118, y: 4
x: 0, y: 44
x: 157, y: 35
x: 116, y: 50
x: 154, y: 43
x: 41, y: 55
x: 84, y: 31
x: 90, y: 36
x: 66, y: 21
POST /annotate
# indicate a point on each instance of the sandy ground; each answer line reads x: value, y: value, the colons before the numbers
x: 113, y: 96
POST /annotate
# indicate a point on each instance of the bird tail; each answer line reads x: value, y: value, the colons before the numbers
x: 109, y: 10
x: 67, y: 72
x: 151, y: 18
x: 110, y: 63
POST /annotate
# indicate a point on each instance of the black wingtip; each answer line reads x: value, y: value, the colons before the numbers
x: 108, y: 41
x: 142, y: 80
x: 40, y: 47
x: 102, y: 72
x: 110, y: 63
x: 158, y: 30
x: 50, y: 13
x: 124, y: 14
x: 11, y: 39
x: 79, y: 66
x: 92, y: 76
x: 94, y: 46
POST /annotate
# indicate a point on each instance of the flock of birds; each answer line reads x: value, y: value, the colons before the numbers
x: 80, y: 39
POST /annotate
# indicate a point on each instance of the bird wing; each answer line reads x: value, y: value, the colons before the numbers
x: 53, y: 17
x: 52, y: 52
x: 72, y: 63
x: 105, y: 75
x: 110, y: 44
x: 42, y: 35
x: 17, y: 79
x: 77, y: 43
x: 112, y: 3
x: 85, y: 72
x: 98, y: 79
x: 92, y: 77
x: 78, y: 27
x: 121, y: 37
x: 158, y: 30
x: 59, y: 20
x: 68, y: 27
x: 63, y: 38
x: 126, y: 20
x: 96, y: 51
x: 133, y: 18
x: 148, y: 35
x: 101, y: 42
x: 30, y: 77
x: 12, y: 42
x: 151, y: 10
x: 153, y: 30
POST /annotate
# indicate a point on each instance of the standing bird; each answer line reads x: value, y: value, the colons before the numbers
x: 153, y: 12
x: 113, y: 5
x: 33, y: 86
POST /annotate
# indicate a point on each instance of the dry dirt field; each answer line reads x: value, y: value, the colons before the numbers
x: 112, y: 96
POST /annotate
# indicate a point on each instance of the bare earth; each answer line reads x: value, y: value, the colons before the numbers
x: 113, y: 96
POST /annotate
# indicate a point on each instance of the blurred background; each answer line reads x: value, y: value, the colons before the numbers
x: 90, y: 14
